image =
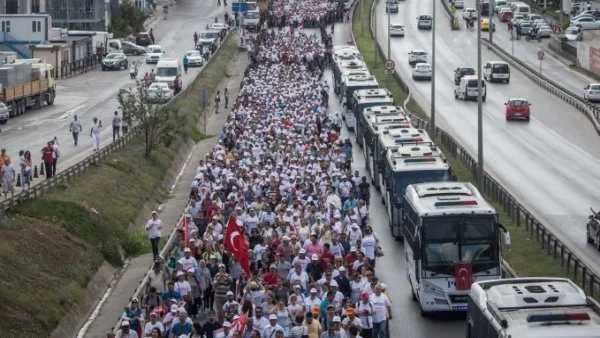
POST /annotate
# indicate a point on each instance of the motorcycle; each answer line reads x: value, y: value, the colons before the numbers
x: 133, y: 71
x: 533, y: 36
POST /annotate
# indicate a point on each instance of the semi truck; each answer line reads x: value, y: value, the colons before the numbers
x: 25, y: 85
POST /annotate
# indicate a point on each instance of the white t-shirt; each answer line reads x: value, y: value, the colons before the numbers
x: 153, y: 227
x: 368, y: 244
x: 149, y: 326
x: 380, y: 304
x: 188, y: 263
x: 366, y: 320
x: 183, y: 288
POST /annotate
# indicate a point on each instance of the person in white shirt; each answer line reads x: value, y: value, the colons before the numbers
x: 187, y: 261
x: 153, y: 227
x: 272, y: 328
x: 125, y: 331
x: 369, y: 243
x: 364, y: 310
x: 182, y: 286
x: 153, y: 323
x: 382, y: 311
x: 312, y: 301
x: 301, y: 259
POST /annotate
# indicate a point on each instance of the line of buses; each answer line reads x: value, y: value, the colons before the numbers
x: 452, y: 235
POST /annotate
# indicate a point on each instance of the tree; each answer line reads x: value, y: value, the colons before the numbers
x: 129, y: 19
x: 157, y: 122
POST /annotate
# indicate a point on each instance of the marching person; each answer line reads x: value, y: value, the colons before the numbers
x: 153, y: 227
x: 95, y: 133
x: 75, y: 128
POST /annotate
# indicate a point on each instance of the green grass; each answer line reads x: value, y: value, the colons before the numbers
x: 52, y: 246
x: 525, y: 255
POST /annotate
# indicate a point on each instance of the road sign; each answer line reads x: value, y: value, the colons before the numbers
x: 389, y: 71
x: 540, y: 54
x: 239, y: 7
x: 389, y: 64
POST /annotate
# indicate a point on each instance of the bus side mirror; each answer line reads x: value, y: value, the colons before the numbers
x: 507, y: 238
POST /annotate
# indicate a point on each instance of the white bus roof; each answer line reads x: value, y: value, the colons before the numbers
x: 338, y: 48
x: 361, y: 80
x: 447, y: 198
x: 352, y: 64
x: 375, y: 94
x: 346, y: 72
x: 346, y: 55
x: 536, y: 307
x: 419, y: 157
x: 389, y: 121
x: 397, y: 137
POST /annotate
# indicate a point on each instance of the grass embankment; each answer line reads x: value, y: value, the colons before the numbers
x: 525, y: 254
x: 51, y: 247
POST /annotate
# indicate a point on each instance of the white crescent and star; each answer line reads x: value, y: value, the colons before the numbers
x: 232, y: 240
x: 463, y: 272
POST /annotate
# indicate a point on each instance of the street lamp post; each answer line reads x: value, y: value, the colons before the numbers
x: 375, y: 40
x: 432, y: 113
x: 490, y: 14
x: 479, y: 101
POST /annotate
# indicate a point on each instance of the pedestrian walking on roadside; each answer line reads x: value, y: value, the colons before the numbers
x: 518, y: 32
x: 47, y: 157
x: 177, y: 85
x: 226, y: 96
x: 55, y: 154
x: 7, y: 175
x: 25, y: 163
x: 217, y: 101
x: 153, y: 227
x: 125, y: 125
x: 116, y: 124
x: 75, y: 128
x: 195, y: 39
x: 186, y: 62
x: 151, y: 35
x: 95, y: 133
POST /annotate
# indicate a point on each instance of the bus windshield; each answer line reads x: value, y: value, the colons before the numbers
x: 405, y: 178
x: 451, y: 239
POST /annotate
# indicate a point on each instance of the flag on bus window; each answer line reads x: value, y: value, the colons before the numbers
x: 463, y: 275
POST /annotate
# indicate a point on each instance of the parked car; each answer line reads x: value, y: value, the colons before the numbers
x: 517, y: 108
x: 143, y: 39
x: 591, y: 92
x: 422, y: 71
x: 586, y: 23
x: 194, y: 58
x: 574, y: 34
x: 130, y: 48
x: 115, y: 61
x: 159, y: 92
x: 397, y: 30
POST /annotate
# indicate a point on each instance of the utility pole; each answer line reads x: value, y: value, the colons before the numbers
x: 374, y: 40
x: 362, y: 21
x: 432, y: 113
x: 491, y: 16
x: 479, y: 102
x: 389, y: 53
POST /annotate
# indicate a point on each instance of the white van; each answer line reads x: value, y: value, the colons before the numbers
x: 467, y: 88
x: 522, y: 9
x: 114, y: 46
x: 167, y: 69
x: 496, y: 71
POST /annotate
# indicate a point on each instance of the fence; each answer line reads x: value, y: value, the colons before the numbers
x: 575, y: 266
x: 68, y: 69
x: 67, y: 175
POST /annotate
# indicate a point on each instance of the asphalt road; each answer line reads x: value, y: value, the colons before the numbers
x: 94, y: 94
x: 550, y: 164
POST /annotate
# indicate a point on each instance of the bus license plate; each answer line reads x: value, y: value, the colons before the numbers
x: 459, y: 308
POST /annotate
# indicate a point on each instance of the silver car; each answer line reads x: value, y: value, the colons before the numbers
x: 3, y: 113
x: 591, y: 92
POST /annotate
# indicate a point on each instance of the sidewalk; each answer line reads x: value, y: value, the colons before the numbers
x: 170, y: 211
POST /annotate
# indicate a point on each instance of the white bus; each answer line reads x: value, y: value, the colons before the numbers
x: 366, y: 98
x: 347, y: 68
x: 391, y: 137
x: 451, y: 238
x: 531, y: 307
x: 349, y: 85
x: 409, y: 165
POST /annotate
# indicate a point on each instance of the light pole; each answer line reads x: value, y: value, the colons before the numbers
x: 362, y: 21
x: 432, y: 113
x: 375, y: 40
x: 491, y: 28
x: 479, y: 102
x: 389, y: 54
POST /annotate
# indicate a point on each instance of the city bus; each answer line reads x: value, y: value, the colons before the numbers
x: 542, y: 307
x: 409, y: 165
x: 349, y: 85
x: 347, y: 68
x: 393, y: 138
x: 451, y: 239
x: 373, y: 118
x: 366, y: 98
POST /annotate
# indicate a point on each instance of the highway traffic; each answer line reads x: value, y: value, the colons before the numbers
x: 548, y: 163
x: 94, y: 93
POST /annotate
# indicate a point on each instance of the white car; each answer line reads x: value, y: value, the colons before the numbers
x: 194, y: 58
x: 517, y: 19
x: 574, y: 34
x: 154, y: 53
x: 459, y: 3
x: 591, y: 92
x: 397, y: 30
x: 544, y: 31
x: 219, y: 27
x: 422, y: 71
x: 469, y: 13
x: 159, y: 92
x: 417, y: 56
x: 586, y: 22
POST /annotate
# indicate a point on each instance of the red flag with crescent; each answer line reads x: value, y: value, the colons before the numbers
x: 235, y: 242
x: 463, y: 275
x: 239, y: 324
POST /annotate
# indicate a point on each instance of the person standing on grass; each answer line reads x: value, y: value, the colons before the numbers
x: 48, y: 158
x: 55, y: 155
x: 7, y: 173
x: 75, y: 128
x: 95, y: 133
x: 153, y: 228
x: 116, y: 124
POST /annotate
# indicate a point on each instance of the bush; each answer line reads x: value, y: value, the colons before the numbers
x: 128, y: 20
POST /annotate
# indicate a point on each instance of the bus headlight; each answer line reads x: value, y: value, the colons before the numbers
x: 433, y: 289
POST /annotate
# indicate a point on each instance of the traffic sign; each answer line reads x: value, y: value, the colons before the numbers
x: 389, y: 71
x: 540, y: 54
x: 389, y: 64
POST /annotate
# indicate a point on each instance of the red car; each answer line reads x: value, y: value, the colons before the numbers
x: 517, y: 109
x: 506, y: 16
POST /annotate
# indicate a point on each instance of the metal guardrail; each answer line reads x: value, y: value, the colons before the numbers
x: 552, y: 245
x: 65, y: 176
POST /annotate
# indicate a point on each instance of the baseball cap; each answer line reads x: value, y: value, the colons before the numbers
x: 364, y: 295
x: 187, y: 250
x: 315, y: 257
x: 174, y: 308
x: 342, y: 269
x: 229, y: 293
x: 313, y: 290
x: 227, y: 324
x: 180, y: 273
x: 273, y: 317
x: 125, y: 323
x: 302, y: 251
x: 337, y: 319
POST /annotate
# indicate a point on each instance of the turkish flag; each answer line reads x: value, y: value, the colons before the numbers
x: 463, y: 275
x: 235, y: 242
x: 239, y: 324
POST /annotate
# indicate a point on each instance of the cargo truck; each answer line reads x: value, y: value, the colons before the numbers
x: 26, y: 85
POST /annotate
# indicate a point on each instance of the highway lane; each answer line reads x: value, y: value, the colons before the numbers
x: 407, y: 322
x: 550, y: 164
x: 94, y: 94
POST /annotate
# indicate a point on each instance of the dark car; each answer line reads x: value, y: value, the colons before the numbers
x: 143, y: 39
x: 115, y: 61
x: 130, y: 48
x: 462, y: 71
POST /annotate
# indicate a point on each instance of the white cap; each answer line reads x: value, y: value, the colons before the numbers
x: 337, y: 319
x: 313, y: 290
x: 271, y: 317
x: 180, y: 273
x: 229, y: 293
x: 125, y: 323
x: 342, y: 269
x: 227, y: 324
x: 302, y: 251
x: 315, y: 257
